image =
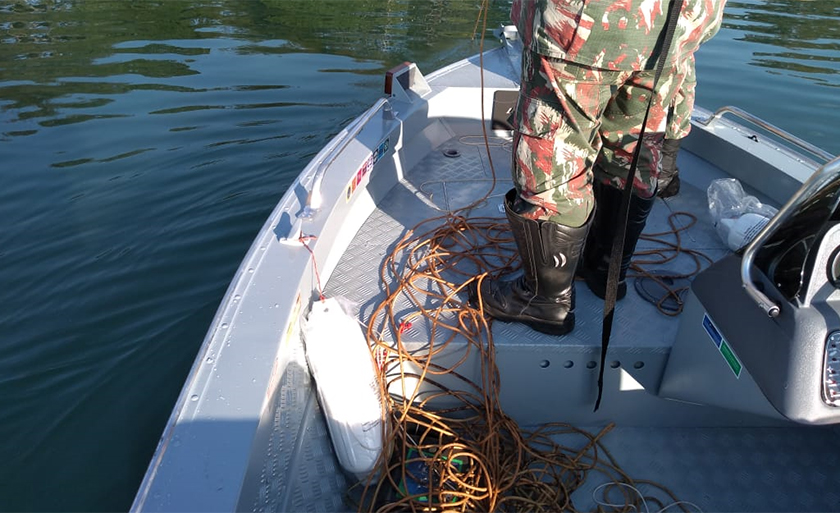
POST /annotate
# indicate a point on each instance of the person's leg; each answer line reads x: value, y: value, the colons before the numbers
x: 622, y: 120
x: 556, y: 139
x: 679, y: 126
x: 596, y: 259
x: 549, y: 210
x: 669, y: 175
x: 543, y: 296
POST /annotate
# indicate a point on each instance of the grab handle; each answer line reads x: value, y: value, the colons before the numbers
x: 764, y: 125
x: 314, y: 199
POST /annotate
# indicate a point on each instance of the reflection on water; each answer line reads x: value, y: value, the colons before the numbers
x: 65, y: 48
x: 800, y: 37
x: 143, y: 145
x: 778, y: 60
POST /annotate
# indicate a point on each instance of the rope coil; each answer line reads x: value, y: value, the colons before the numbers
x: 449, y: 445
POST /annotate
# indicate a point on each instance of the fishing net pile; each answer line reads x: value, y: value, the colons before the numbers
x: 449, y: 446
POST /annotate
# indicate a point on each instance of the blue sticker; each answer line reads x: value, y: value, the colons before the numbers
x: 713, y: 332
x: 723, y: 346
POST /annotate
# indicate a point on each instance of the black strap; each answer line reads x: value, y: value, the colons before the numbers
x: 618, y: 240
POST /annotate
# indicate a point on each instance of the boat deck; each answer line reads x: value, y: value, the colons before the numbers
x: 731, y: 466
x: 440, y: 183
x: 732, y: 469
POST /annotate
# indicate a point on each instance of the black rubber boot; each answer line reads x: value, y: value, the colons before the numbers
x: 544, y: 296
x: 669, y: 176
x: 596, y: 255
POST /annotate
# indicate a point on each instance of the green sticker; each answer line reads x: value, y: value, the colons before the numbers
x: 731, y: 359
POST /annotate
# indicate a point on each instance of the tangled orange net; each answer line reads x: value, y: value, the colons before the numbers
x: 449, y: 444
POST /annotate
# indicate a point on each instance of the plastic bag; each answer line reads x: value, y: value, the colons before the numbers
x: 737, y: 216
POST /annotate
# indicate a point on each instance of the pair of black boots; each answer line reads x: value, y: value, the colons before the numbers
x: 544, y: 296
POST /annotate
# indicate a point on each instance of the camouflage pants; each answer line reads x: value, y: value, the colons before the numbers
x: 575, y: 124
x: 679, y: 117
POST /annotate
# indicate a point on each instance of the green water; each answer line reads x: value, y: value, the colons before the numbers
x: 143, y: 144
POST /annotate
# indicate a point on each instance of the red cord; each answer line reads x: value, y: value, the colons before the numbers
x: 303, y: 239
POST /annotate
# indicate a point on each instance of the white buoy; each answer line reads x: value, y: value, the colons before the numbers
x: 340, y: 361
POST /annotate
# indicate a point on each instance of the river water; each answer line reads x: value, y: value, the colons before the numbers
x: 143, y: 144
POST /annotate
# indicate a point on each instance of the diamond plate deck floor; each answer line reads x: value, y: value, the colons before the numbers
x: 729, y: 469
x: 440, y: 183
x: 716, y: 468
x: 299, y: 470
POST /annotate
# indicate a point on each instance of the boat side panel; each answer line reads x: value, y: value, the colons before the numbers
x: 500, y: 70
x: 756, y: 162
x: 784, y: 355
x: 293, y: 466
x: 220, y: 433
